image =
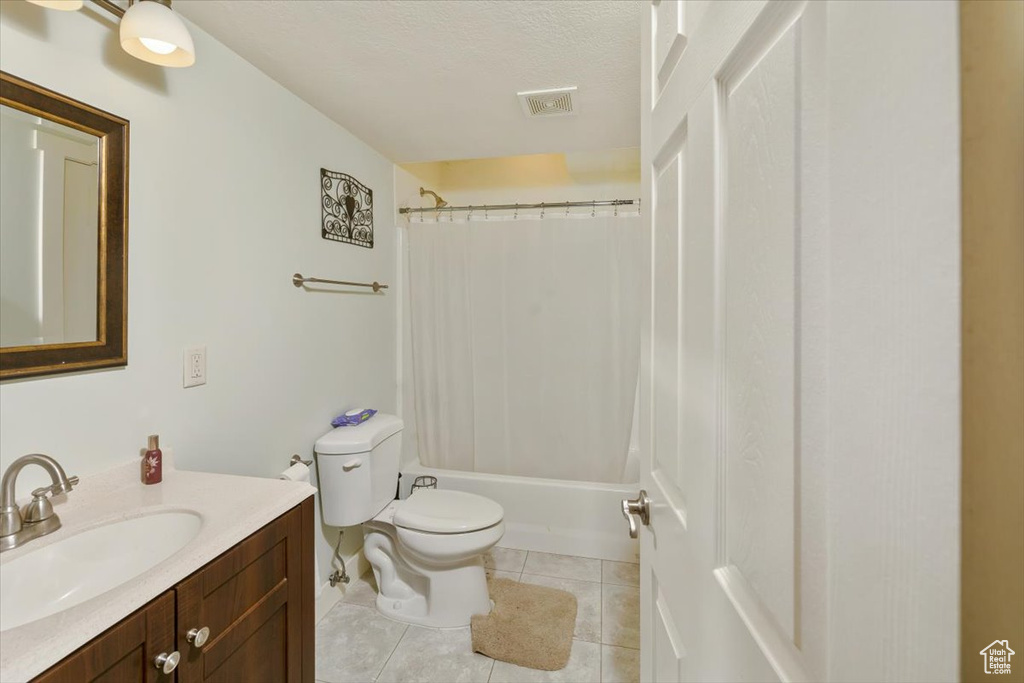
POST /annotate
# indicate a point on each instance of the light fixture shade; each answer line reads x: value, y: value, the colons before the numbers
x: 155, y: 34
x: 66, y: 5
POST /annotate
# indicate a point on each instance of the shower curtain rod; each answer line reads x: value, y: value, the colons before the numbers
x: 511, y: 207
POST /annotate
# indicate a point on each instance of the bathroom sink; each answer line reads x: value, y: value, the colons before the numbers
x: 67, y: 573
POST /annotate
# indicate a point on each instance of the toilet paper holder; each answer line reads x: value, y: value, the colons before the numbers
x: 296, y: 460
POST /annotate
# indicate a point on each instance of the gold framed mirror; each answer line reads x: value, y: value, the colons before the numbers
x: 63, y: 233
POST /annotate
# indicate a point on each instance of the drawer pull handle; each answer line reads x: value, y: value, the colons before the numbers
x: 167, y: 662
x: 198, y: 636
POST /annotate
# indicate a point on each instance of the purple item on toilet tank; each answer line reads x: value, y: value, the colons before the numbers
x: 353, y: 417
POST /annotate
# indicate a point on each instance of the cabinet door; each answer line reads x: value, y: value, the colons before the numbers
x: 251, y: 600
x: 125, y: 652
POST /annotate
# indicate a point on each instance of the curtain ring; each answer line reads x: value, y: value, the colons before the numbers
x: 516, y: 214
x: 593, y: 209
x: 469, y: 217
x: 485, y: 211
x: 451, y: 215
x: 542, y: 209
x: 567, y: 209
x: 616, y: 209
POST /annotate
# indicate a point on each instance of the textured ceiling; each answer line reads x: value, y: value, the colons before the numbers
x: 424, y: 81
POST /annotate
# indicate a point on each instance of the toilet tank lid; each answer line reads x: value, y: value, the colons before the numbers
x: 359, y: 438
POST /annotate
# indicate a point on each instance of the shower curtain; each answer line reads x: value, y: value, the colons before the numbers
x: 525, y: 336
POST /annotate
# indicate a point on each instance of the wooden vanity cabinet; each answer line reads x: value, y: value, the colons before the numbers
x: 256, y: 599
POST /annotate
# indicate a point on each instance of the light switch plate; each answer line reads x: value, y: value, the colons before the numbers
x: 194, y: 367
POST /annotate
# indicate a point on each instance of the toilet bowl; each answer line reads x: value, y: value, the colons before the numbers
x: 426, y: 551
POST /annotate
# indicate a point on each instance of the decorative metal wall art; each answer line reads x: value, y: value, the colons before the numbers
x: 347, y: 207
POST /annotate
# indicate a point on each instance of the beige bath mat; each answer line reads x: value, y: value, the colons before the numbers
x: 530, y: 625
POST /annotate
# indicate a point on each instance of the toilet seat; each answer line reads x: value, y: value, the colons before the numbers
x: 447, y: 512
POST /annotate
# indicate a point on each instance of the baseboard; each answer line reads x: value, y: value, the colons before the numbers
x: 328, y: 596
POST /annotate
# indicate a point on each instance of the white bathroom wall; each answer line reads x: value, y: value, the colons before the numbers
x: 608, y: 174
x: 224, y: 207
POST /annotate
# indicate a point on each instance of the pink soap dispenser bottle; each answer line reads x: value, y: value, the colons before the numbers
x: 153, y: 462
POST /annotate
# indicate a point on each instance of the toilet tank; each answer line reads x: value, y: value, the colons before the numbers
x: 357, y: 468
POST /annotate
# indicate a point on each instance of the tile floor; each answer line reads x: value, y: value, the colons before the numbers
x: 356, y: 644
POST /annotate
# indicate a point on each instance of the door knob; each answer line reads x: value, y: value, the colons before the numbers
x: 167, y: 662
x: 631, y: 509
x: 198, y: 636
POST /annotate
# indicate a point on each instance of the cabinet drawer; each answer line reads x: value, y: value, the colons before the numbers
x: 125, y: 652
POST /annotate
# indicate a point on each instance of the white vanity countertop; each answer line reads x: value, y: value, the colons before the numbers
x: 232, y: 508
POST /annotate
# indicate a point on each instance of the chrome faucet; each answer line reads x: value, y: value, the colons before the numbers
x: 37, y: 518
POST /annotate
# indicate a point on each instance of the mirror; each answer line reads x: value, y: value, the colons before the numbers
x: 49, y: 231
x: 63, y: 220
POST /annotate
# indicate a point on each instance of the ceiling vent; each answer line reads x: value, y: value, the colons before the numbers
x: 553, y: 102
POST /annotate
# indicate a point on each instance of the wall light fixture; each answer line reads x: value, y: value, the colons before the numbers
x: 150, y: 30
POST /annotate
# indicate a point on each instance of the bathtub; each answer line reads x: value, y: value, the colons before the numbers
x: 547, y: 515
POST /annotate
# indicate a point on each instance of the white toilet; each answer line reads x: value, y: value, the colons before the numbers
x: 426, y: 551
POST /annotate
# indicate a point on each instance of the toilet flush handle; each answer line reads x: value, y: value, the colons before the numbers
x: 352, y: 464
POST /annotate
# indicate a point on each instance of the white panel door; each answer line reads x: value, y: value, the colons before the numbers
x: 81, y: 235
x: 798, y: 421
